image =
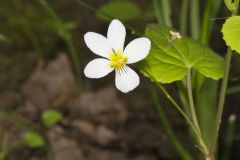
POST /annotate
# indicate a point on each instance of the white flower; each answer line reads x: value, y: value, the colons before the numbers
x: 115, y: 57
x: 175, y: 35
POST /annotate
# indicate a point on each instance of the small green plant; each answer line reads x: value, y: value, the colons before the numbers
x: 51, y: 117
x: 33, y: 140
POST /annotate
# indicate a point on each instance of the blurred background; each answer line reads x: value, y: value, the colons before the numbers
x: 50, y: 111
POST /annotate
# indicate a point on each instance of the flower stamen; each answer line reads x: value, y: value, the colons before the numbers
x: 175, y: 36
x: 117, y: 60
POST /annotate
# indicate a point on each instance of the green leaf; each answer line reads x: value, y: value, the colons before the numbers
x: 4, y: 39
x: 170, y: 61
x: 229, y: 5
x: 122, y: 10
x: 51, y: 117
x: 33, y: 140
x: 69, y: 26
x: 231, y: 33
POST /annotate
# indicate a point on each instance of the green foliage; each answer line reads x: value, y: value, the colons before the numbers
x: 206, y: 101
x: 229, y: 4
x: 51, y: 117
x: 231, y: 33
x: 4, y: 39
x: 232, y: 5
x: 122, y: 10
x: 33, y: 140
x: 170, y: 61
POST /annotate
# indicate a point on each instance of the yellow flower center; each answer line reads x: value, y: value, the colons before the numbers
x: 117, y: 60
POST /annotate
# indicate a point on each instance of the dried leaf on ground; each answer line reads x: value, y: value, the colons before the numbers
x: 102, y: 106
x: 62, y: 146
x: 100, y: 154
x: 48, y: 86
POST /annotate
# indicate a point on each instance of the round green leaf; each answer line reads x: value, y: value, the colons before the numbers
x: 122, y: 10
x: 51, y: 117
x: 33, y: 140
x: 231, y: 32
x: 170, y: 61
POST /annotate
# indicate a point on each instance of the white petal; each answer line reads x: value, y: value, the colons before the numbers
x: 137, y: 50
x: 98, y: 44
x: 116, y: 35
x: 97, y: 68
x: 126, y: 80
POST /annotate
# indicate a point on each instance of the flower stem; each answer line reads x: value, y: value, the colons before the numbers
x: 223, y: 91
x: 157, y: 11
x: 196, y: 131
x: 191, y: 102
x: 73, y: 54
x: 195, y: 22
x: 176, y: 105
x: 183, y: 153
x: 221, y: 103
x: 183, y: 17
x: 165, y: 6
x: 205, y: 22
x: 194, y: 115
x: 211, y: 10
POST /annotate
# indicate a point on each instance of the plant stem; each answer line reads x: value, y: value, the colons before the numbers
x: 196, y: 131
x: 163, y: 12
x: 205, y: 24
x: 183, y: 17
x: 203, y: 148
x: 51, y: 12
x: 166, y: 12
x: 222, y: 92
x: 211, y: 11
x: 157, y: 11
x: 34, y: 40
x: 179, y: 148
x: 193, y: 113
x: 66, y: 36
x: 175, y: 104
x: 182, y: 92
x: 74, y: 57
x: 195, y: 22
x: 191, y: 102
x: 221, y: 103
x: 95, y: 10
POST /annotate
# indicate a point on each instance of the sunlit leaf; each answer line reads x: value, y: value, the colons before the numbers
x: 33, y: 140
x: 51, y: 117
x: 122, y: 10
x: 169, y: 61
x: 231, y: 32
